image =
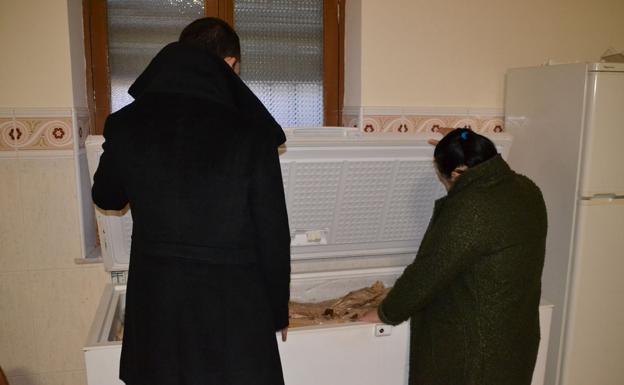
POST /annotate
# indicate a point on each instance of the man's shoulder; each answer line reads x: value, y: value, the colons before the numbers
x: 117, y: 119
x: 164, y: 112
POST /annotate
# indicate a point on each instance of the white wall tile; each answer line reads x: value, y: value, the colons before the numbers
x: 17, y: 331
x: 11, y: 219
x: 24, y: 380
x: 50, y: 238
x: 52, y: 378
x: 65, y: 302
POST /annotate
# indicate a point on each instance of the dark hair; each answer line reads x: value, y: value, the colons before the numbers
x: 462, y: 147
x: 214, y: 35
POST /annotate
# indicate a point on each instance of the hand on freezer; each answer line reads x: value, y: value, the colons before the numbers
x: 442, y: 130
x: 371, y: 317
x: 284, y: 334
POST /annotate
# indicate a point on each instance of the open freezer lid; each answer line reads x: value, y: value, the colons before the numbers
x: 348, y: 195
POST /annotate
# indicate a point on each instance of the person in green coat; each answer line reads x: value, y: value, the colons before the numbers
x: 473, y: 292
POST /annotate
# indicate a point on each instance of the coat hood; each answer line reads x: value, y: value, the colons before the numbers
x: 185, y: 69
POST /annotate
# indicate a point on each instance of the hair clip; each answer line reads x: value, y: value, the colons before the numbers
x: 464, y: 135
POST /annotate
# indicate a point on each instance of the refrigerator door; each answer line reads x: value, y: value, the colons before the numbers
x: 603, y: 135
x: 594, y: 350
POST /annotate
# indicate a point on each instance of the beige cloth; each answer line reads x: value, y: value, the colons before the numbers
x: 345, y: 309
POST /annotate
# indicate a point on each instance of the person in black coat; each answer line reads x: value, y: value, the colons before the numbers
x: 196, y: 158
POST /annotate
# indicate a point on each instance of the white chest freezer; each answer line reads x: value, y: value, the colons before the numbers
x: 367, y: 200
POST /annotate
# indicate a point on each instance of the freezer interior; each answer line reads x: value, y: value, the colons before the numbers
x: 107, y: 327
x: 116, y: 329
x: 312, y: 354
x: 305, y: 288
x: 343, y: 353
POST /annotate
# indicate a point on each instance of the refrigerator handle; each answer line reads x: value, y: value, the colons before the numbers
x: 606, y: 197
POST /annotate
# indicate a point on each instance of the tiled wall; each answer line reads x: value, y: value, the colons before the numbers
x: 46, y: 300
x: 375, y: 120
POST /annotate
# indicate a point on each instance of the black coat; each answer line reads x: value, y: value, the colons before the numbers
x: 195, y: 155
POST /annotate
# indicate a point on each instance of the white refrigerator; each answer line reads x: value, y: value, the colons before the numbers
x: 568, y: 127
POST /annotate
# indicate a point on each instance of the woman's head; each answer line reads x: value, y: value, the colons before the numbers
x: 459, y: 150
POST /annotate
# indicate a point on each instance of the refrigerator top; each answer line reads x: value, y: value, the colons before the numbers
x: 589, y: 67
x: 606, y: 67
x: 349, y: 197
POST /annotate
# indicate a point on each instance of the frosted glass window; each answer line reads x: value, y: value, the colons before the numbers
x: 137, y: 30
x: 282, y: 57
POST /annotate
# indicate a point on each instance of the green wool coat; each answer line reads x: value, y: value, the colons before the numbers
x: 473, y: 291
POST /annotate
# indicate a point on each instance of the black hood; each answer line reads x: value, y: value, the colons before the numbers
x: 189, y: 70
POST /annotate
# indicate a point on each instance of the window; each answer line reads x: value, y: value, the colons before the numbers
x: 292, y: 51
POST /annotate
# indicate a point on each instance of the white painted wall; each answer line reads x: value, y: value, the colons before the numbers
x: 450, y: 53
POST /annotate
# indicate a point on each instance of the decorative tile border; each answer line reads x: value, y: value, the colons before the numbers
x: 82, y: 126
x: 406, y: 121
x: 6, y: 124
x: 67, y: 129
x: 35, y: 131
x: 50, y: 133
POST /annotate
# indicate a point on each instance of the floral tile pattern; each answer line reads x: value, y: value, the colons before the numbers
x: 36, y: 133
x: 30, y: 129
x: 418, y: 123
x: 7, y: 128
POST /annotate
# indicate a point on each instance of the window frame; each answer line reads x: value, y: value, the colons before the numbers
x: 95, y: 19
